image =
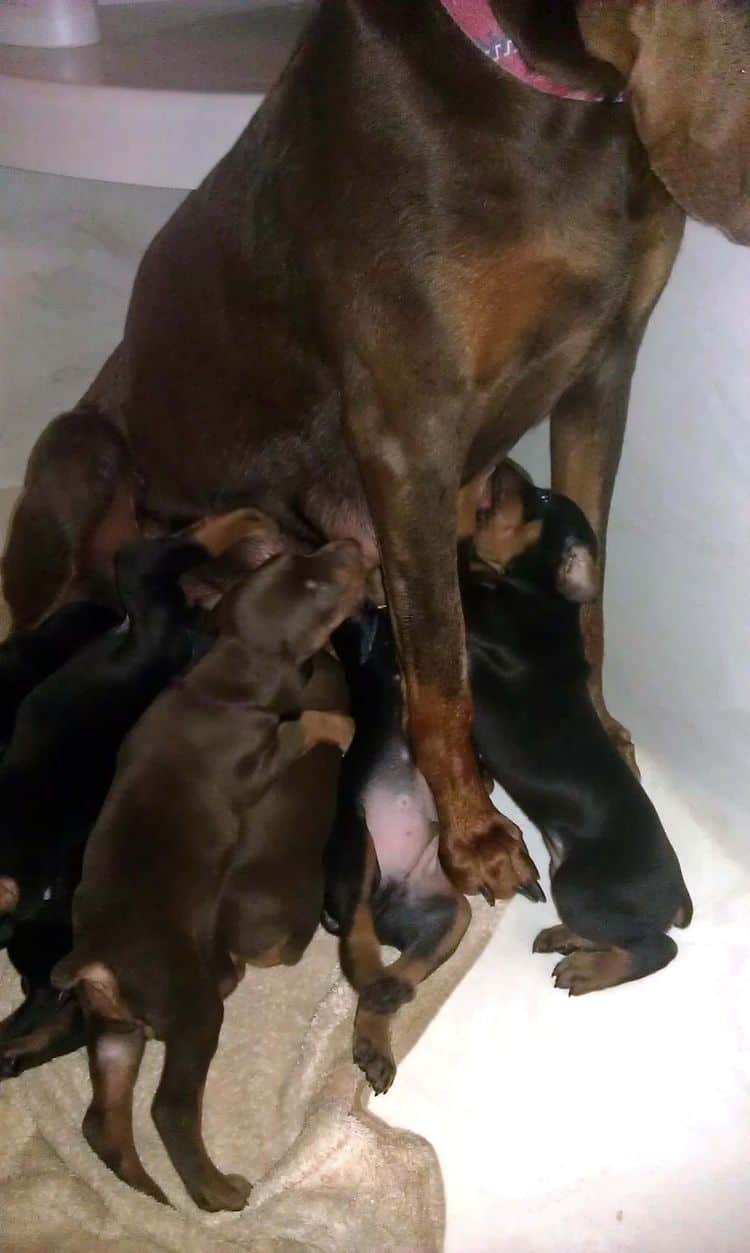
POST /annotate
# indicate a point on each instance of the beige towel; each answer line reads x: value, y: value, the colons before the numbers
x: 285, y: 1106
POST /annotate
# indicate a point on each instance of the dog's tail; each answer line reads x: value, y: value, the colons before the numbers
x: 96, y: 984
x: 75, y: 510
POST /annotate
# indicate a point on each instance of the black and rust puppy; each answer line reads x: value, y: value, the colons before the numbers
x: 150, y: 954
x: 29, y: 657
x: 384, y: 881
x: 616, y: 880
x: 58, y: 766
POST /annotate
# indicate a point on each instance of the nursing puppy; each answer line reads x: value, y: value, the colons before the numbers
x: 150, y: 956
x: 616, y: 880
x: 57, y: 768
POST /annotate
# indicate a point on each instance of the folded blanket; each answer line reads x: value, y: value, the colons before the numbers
x: 284, y: 1106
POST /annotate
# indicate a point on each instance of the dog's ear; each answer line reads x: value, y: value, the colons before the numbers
x: 686, y: 62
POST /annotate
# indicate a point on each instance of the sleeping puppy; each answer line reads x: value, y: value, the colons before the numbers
x: 59, y: 764
x: 616, y: 880
x: 151, y: 951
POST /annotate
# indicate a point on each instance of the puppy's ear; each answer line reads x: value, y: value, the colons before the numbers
x: 578, y: 574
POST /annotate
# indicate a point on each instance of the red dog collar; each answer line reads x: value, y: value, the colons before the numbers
x: 477, y: 21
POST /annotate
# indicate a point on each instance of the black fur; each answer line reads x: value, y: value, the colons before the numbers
x: 57, y: 768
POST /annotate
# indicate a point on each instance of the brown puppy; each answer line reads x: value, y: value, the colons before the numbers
x: 147, y: 954
x: 273, y: 896
x: 408, y: 258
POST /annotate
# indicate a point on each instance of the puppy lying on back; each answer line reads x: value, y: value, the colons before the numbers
x: 149, y: 954
x: 66, y: 732
x: 616, y: 880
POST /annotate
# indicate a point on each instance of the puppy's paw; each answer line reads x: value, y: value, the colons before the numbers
x: 559, y: 939
x: 222, y: 1192
x: 386, y: 995
x: 10, y: 1063
x: 324, y: 727
x: 584, y: 972
x: 378, y: 1066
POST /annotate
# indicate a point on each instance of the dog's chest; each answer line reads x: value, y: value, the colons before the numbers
x: 534, y: 311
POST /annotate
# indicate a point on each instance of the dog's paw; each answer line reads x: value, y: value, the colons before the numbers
x: 10, y: 1063
x: 222, y: 1192
x: 584, y: 972
x: 377, y: 1066
x: 559, y: 939
x: 494, y: 863
x: 386, y: 995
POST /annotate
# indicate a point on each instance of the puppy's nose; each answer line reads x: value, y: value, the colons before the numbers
x: 9, y: 895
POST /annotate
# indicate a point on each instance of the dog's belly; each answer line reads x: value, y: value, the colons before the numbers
x: 402, y: 820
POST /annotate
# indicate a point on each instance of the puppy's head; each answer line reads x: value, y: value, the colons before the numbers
x: 536, y: 537
x: 295, y: 601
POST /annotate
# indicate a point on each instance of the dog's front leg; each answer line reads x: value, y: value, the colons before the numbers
x: 587, y: 429
x: 588, y: 423
x: 411, y: 460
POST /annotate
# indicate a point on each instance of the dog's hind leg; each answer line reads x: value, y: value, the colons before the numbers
x: 591, y: 971
x: 441, y: 921
x: 75, y: 511
x: 428, y: 928
x: 359, y: 950
x: 177, y: 1107
x: 115, y: 1052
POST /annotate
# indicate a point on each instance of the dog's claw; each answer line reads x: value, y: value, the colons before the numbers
x: 532, y: 891
x: 488, y: 894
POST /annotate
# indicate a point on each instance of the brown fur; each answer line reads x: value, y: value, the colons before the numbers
x: 150, y: 953
x: 273, y: 895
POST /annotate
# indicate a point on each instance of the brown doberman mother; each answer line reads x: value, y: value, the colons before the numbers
x: 441, y: 226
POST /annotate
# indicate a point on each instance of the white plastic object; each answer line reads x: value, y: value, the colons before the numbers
x: 49, y: 23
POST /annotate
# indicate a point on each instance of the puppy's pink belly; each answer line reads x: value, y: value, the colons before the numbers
x: 402, y: 825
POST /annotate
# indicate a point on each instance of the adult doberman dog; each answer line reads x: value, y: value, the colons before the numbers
x: 413, y: 253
